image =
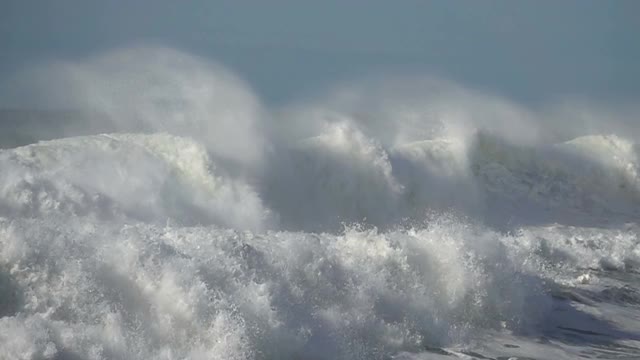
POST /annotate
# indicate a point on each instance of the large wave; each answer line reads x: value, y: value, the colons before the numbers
x: 189, y: 221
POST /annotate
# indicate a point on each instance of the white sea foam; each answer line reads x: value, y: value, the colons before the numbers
x: 146, y: 291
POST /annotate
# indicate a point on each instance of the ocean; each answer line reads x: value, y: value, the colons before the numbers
x: 168, y: 213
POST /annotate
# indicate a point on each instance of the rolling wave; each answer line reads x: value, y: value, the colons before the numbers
x: 363, y: 226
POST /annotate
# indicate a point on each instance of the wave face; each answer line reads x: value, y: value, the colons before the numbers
x: 390, y: 220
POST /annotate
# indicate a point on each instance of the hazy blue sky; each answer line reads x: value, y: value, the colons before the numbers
x: 527, y: 50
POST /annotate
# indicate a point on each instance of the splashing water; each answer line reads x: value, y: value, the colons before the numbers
x: 181, y: 219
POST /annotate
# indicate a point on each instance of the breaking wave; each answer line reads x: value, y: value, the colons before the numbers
x: 367, y: 225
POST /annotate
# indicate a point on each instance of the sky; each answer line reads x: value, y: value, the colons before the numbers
x: 530, y: 51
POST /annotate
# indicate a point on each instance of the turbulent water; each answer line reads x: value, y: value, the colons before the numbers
x: 182, y: 219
